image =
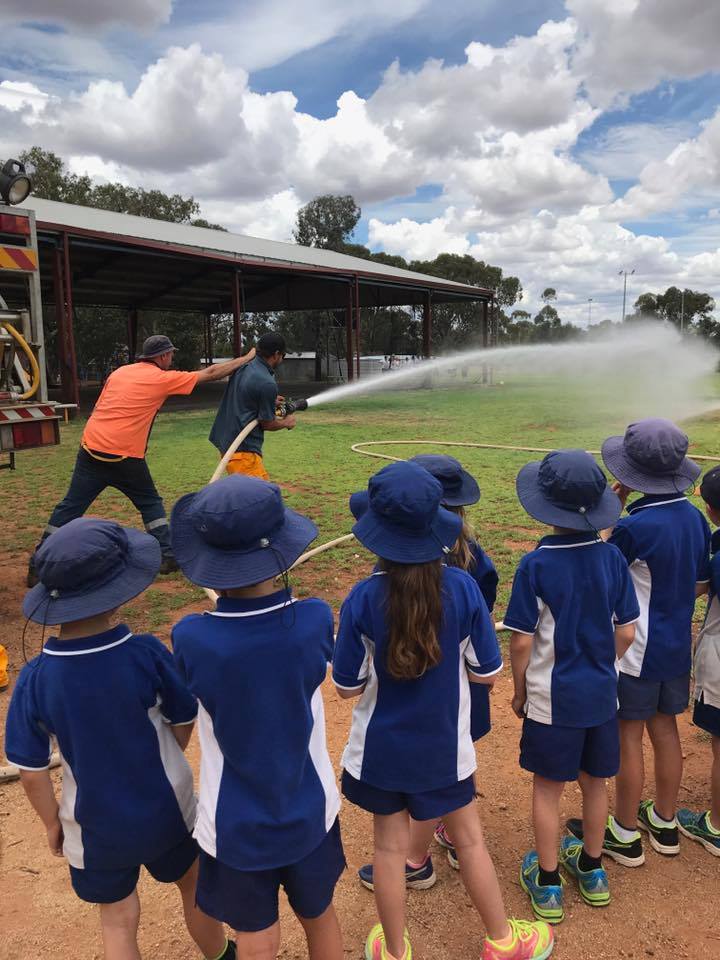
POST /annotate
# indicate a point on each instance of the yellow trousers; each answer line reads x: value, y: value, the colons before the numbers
x: 251, y: 464
x: 4, y: 679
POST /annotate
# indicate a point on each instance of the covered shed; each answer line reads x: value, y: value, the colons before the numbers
x: 91, y: 257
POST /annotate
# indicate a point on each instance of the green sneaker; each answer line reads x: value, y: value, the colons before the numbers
x: 663, y: 838
x: 628, y: 853
x: 697, y: 827
x: 547, y: 902
x: 593, y: 884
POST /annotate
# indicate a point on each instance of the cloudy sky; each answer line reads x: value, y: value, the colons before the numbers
x: 564, y: 140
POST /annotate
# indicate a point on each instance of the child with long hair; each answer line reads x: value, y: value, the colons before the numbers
x: 411, y: 639
x: 460, y: 490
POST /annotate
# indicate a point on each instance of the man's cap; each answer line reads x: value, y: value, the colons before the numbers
x: 568, y: 489
x: 155, y: 346
x: 460, y: 488
x: 710, y: 488
x: 404, y: 521
x: 237, y: 532
x: 651, y: 457
x: 88, y: 567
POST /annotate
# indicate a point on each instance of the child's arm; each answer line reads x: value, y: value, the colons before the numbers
x: 701, y: 589
x: 520, y: 650
x: 182, y: 733
x: 39, y: 789
x: 346, y: 694
x: 624, y: 636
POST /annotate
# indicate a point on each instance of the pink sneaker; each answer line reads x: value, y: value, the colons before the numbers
x: 531, y: 941
x: 375, y: 945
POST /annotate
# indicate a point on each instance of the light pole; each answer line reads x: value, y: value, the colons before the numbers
x: 682, y: 311
x: 624, y: 274
x: 589, y: 310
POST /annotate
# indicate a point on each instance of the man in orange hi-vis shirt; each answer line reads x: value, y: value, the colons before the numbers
x: 112, y: 449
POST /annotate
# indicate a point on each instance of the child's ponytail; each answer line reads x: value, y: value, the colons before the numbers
x: 414, y: 612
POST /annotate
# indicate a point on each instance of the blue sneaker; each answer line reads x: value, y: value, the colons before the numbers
x: 416, y: 878
x: 547, y: 902
x: 593, y: 884
x: 697, y: 827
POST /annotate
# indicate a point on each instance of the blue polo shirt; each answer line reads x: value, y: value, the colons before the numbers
x: 268, y: 792
x: 127, y: 795
x: 568, y: 594
x: 666, y: 542
x: 706, y: 665
x: 250, y: 395
x: 413, y: 735
x: 484, y: 574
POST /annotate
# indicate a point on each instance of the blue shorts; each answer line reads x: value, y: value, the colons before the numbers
x: 641, y: 699
x: 110, y: 886
x: 479, y: 711
x: 247, y: 900
x: 430, y: 805
x: 560, y: 753
x: 707, y: 717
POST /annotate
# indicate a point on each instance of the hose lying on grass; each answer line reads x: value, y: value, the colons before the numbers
x: 359, y: 448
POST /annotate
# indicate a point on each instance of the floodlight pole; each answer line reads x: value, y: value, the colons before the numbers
x: 624, y: 275
x: 682, y: 311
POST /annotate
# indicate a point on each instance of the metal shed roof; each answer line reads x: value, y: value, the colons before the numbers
x: 135, y: 262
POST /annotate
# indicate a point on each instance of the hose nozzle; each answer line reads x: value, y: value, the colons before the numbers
x: 288, y: 407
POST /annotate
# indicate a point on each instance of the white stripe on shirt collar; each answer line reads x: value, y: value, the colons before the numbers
x: 658, y: 503
x: 567, y: 546
x: 250, y: 613
x: 76, y: 653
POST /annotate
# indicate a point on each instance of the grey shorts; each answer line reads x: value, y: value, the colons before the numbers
x: 642, y: 699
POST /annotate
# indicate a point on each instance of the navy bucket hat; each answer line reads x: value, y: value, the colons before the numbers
x: 460, y: 489
x: 237, y: 532
x: 89, y: 567
x: 651, y: 457
x: 404, y: 521
x: 156, y: 346
x: 568, y: 489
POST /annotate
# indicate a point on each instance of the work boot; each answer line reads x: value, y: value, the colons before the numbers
x: 169, y: 565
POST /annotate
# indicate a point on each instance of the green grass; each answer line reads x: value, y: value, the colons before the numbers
x: 318, y: 471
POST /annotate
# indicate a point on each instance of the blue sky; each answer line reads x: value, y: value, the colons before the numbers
x: 560, y: 140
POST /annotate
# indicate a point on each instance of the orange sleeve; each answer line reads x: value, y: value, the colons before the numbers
x: 179, y: 381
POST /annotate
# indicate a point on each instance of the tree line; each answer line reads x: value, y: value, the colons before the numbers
x: 329, y: 222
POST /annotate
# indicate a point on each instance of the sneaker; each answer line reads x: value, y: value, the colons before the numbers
x: 593, y: 884
x: 547, y: 901
x: 441, y: 837
x: 531, y: 941
x: 169, y: 565
x: 663, y: 839
x: 697, y: 827
x: 375, y: 945
x: 416, y: 878
x: 629, y: 853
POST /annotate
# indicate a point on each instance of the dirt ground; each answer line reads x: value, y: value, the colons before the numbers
x: 667, y: 910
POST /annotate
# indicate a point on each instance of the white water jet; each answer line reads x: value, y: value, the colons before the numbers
x: 647, y: 368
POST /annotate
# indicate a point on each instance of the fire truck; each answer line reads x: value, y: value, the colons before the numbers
x: 27, y: 418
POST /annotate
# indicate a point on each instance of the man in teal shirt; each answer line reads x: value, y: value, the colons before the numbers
x: 251, y: 394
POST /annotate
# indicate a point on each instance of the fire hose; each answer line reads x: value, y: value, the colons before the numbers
x: 27, y: 350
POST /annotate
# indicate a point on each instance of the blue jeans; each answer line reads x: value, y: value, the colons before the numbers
x: 130, y: 476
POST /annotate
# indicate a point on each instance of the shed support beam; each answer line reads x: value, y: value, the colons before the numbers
x: 427, y: 324
x: 357, y: 327
x: 237, y: 309
x: 62, y: 282
x: 132, y: 333
x: 349, y: 333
